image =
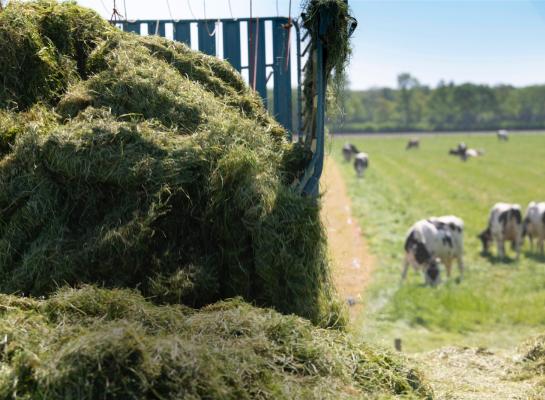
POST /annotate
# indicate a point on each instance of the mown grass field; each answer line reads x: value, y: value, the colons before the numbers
x: 499, y: 303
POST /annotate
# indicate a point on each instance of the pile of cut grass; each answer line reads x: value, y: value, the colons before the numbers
x: 150, y: 166
x: 533, y: 354
x: 94, y: 343
x: 44, y: 47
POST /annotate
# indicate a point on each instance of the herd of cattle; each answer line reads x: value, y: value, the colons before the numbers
x: 361, y: 159
x: 441, y: 239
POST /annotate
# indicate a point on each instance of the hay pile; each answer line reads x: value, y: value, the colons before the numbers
x: 112, y: 344
x: 533, y: 354
x: 136, y: 162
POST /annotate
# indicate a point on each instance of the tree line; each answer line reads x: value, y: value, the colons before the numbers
x: 447, y: 107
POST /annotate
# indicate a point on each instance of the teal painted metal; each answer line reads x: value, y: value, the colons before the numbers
x: 309, y: 185
x: 231, y: 44
x: 132, y: 27
x: 315, y: 133
x: 152, y: 28
x: 162, y: 31
x: 282, y: 73
x: 182, y: 32
x: 256, y: 57
x: 207, y: 37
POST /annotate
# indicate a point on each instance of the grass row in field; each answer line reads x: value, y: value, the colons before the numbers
x: 401, y: 187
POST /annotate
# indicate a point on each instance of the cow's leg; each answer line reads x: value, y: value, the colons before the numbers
x: 500, y: 243
x: 517, y: 247
x: 541, y: 239
x: 405, y: 268
x: 460, y: 261
x: 448, y: 266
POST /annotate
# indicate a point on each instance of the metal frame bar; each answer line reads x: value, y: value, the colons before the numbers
x: 309, y: 185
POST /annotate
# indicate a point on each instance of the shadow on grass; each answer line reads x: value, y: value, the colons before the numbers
x: 494, y: 259
x: 535, y: 256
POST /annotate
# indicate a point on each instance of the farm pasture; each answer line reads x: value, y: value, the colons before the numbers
x: 499, y: 303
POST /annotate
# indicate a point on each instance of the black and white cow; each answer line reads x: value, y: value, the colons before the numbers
x: 533, y: 225
x: 348, y: 151
x: 361, y: 163
x: 431, y: 240
x: 413, y: 143
x: 464, y: 152
x: 504, y: 223
x: 460, y: 151
x: 502, y: 134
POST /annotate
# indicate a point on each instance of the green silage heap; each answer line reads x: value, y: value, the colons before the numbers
x: 136, y: 162
x: 112, y: 344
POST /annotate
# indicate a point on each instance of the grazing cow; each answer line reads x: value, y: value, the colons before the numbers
x: 502, y: 134
x: 504, y: 223
x: 414, y: 143
x: 533, y: 225
x: 433, y: 239
x: 349, y: 150
x: 464, y: 152
x: 459, y: 151
x: 361, y: 162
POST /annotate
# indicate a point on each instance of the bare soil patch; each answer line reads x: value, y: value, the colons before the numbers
x: 352, y: 261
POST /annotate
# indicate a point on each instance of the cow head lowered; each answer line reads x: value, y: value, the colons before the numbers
x: 432, y: 273
x: 429, y: 264
x: 486, y: 238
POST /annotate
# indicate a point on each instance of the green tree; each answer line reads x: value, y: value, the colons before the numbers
x: 406, y: 84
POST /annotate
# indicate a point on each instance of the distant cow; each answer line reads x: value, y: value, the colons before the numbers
x: 459, y: 151
x: 413, y: 143
x: 433, y: 239
x: 502, y: 134
x: 361, y: 163
x: 464, y: 152
x: 348, y: 151
x: 504, y: 223
x: 533, y: 225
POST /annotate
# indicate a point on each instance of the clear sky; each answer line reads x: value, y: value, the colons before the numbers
x: 486, y: 41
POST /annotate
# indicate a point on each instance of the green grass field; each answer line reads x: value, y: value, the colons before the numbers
x: 499, y: 303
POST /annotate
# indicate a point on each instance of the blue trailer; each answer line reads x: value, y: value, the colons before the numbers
x: 247, y: 53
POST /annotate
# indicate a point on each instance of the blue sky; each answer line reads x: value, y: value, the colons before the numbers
x: 487, y: 41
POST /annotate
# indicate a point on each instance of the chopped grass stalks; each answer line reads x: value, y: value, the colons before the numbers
x: 92, y: 342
